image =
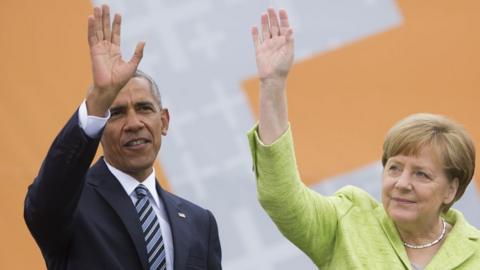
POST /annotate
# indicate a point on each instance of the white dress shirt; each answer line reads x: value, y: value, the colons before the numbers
x: 92, y: 126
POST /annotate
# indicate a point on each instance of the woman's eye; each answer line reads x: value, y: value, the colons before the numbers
x: 422, y: 174
x: 393, y: 168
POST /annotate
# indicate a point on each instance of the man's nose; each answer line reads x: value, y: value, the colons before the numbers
x: 133, y: 122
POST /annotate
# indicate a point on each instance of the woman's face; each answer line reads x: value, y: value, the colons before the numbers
x: 415, y: 187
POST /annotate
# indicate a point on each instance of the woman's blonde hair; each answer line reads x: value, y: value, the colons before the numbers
x: 449, y: 140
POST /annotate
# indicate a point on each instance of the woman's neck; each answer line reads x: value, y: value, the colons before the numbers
x: 420, y: 233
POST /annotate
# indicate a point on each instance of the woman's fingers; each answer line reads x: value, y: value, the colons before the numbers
x: 265, y: 27
x: 274, y: 25
x: 284, y: 24
x: 256, y: 39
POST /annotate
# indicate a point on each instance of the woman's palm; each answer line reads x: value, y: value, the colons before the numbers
x: 274, y: 57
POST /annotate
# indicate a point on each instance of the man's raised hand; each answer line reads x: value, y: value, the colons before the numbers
x: 109, y: 71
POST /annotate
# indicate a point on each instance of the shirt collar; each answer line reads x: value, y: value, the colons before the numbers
x: 129, y: 183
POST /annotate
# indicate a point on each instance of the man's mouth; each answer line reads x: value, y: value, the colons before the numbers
x: 136, y: 142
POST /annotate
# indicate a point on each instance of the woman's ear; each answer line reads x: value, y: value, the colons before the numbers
x: 452, y: 191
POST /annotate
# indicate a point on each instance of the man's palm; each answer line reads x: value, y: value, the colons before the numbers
x: 110, y: 72
x: 109, y: 69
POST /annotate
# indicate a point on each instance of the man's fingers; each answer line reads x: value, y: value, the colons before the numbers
x: 117, y: 22
x: 92, y: 37
x: 97, y: 14
x: 274, y: 26
x: 138, y: 54
x: 256, y: 40
x: 265, y: 28
x: 106, y: 22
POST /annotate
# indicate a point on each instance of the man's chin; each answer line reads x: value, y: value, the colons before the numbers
x: 138, y: 168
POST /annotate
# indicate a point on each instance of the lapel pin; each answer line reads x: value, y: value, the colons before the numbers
x: 182, y: 215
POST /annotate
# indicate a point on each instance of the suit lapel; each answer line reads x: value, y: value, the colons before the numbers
x: 111, y: 190
x: 180, y: 221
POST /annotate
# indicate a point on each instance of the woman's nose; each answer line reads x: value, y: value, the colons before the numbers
x: 404, y: 181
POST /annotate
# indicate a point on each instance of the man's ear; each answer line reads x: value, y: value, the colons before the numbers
x: 165, y: 117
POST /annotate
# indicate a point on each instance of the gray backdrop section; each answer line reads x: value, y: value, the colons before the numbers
x: 199, y: 52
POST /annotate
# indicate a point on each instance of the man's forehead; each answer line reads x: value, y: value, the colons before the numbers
x: 135, y: 91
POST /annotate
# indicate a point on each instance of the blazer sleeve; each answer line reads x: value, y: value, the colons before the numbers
x: 214, y: 249
x: 53, y: 196
x: 305, y: 217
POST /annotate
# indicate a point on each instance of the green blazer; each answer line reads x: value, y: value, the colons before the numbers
x: 349, y: 230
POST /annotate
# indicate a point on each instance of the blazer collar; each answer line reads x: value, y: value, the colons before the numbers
x: 111, y: 190
x: 459, y: 245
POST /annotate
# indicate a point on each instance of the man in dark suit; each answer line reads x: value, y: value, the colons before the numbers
x: 114, y: 215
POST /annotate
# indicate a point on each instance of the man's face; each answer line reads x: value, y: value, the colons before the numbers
x: 133, y: 134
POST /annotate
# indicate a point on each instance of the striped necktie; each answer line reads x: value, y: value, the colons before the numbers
x: 151, y: 230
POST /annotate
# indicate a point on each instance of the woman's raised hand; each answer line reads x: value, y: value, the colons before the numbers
x: 274, y: 55
x: 274, y: 45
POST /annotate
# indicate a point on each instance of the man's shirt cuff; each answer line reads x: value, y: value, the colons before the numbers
x: 91, y: 125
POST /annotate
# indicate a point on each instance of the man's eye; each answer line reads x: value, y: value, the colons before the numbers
x: 145, y: 108
x: 114, y: 113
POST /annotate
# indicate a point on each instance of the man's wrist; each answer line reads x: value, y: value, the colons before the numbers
x: 92, y: 125
x: 98, y: 102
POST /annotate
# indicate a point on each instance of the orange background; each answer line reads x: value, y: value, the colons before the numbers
x: 341, y: 102
x: 45, y: 71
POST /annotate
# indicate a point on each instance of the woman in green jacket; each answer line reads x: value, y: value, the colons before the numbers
x: 428, y: 161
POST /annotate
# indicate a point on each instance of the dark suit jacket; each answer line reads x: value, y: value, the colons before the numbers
x: 82, y: 218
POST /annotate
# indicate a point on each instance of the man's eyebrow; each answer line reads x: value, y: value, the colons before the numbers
x: 142, y: 103
x: 117, y: 107
x: 147, y: 103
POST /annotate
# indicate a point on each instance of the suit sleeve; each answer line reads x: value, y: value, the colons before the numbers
x: 214, y: 249
x: 54, y: 194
